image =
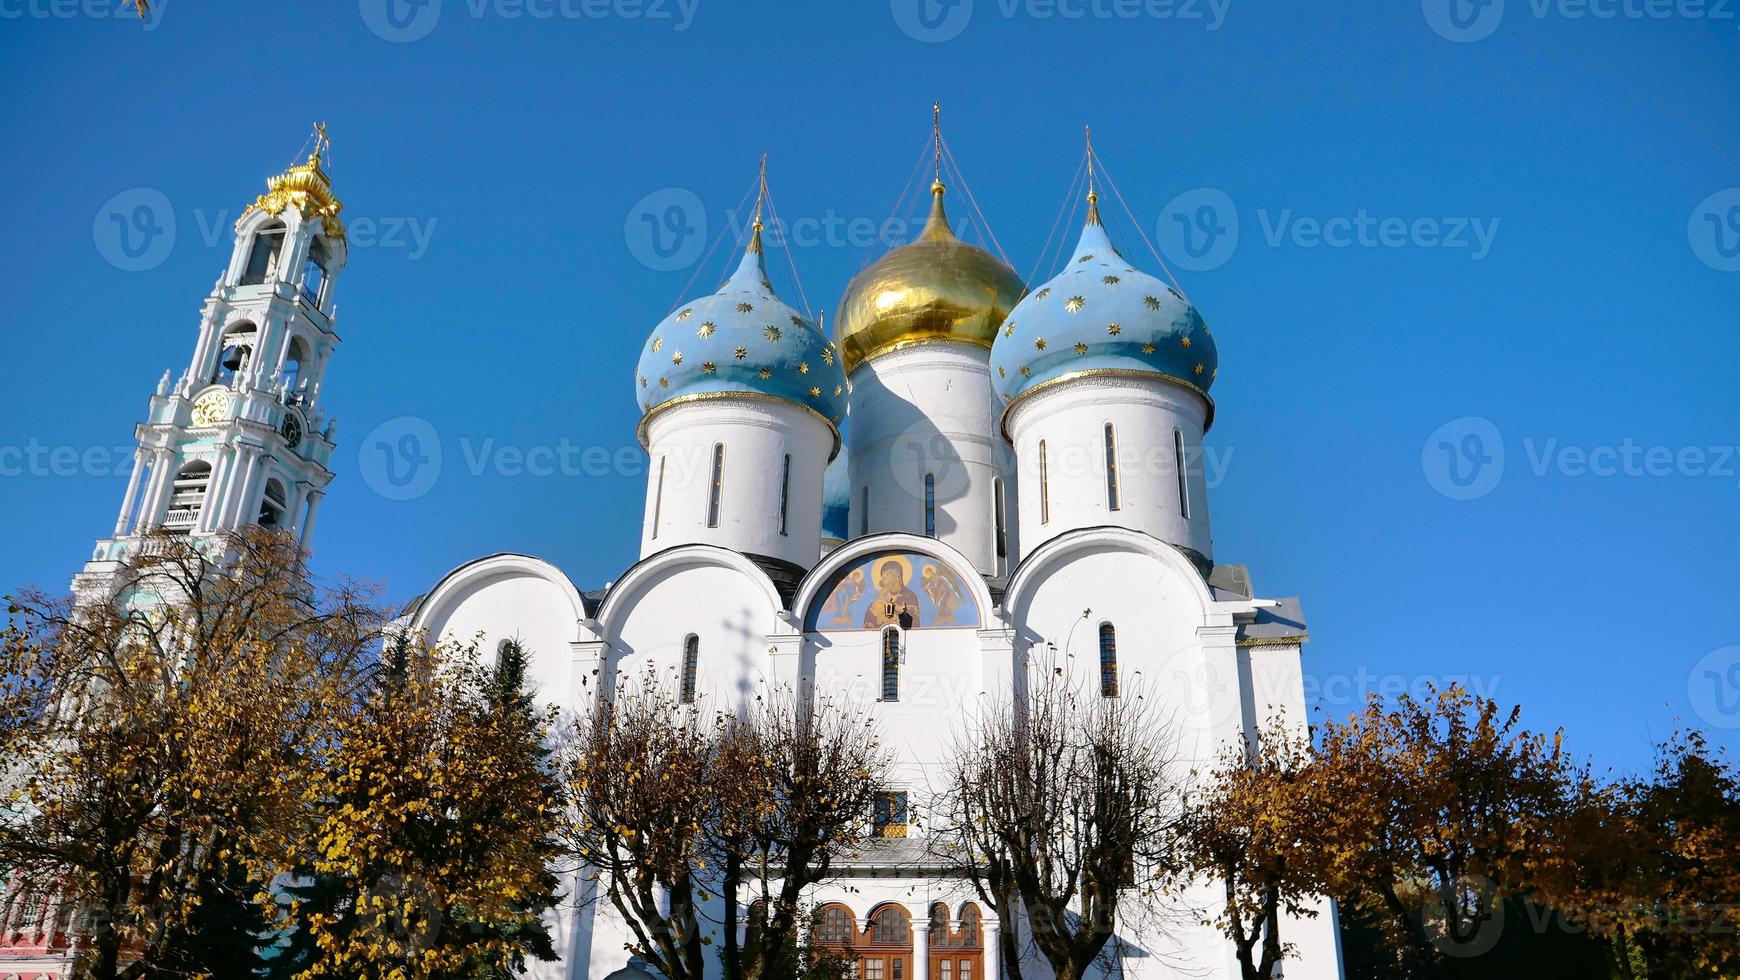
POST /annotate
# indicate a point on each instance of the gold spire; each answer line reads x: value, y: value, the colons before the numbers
x: 760, y: 198
x: 936, y: 141
x: 1093, y: 197
x: 306, y: 186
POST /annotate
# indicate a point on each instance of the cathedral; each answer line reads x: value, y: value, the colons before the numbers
x: 906, y: 510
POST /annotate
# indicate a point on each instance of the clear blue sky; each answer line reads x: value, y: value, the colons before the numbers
x: 503, y: 293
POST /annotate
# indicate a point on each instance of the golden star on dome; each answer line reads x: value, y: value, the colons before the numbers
x: 803, y: 367
x: 657, y: 343
x: 745, y: 308
x: 797, y: 321
x: 706, y: 329
x: 1039, y: 343
x: 1086, y: 258
x: 1184, y: 342
x: 1081, y: 348
x: 1008, y: 328
x: 1074, y: 304
x: 708, y: 367
x: 1114, y: 329
x: 643, y: 381
x: 837, y: 390
x: 1042, y: 293
x: 827, y: 355
x: 1215, y: 373
x: 1148, y: 348
x: 663, y: 383
x: 1199, y: 368
x: 1111, y: 280
x: 677, y: 358
x: 1002, y: 373
x: 740, y: 353
x: 685, y: 314
x: 1026, y: 372
x: 764, y: 373
x: 1151, y: 302
x: 771, y: 332
x: 815, y: 392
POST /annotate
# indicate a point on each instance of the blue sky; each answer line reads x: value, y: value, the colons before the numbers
x: 1464, y: 234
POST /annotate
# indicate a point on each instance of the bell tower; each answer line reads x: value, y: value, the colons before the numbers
x: 240, y: 437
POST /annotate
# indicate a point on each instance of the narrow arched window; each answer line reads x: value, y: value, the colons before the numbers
x: 188, y: 497
x: 717, y: 489
x: 314, y: 271
x: 263, y: 254
x: 1183, y: 474
x: 891, y: 664
x: 930, y: 505
x: 1044, y: 487
x: 1111, y: 468
x: 273, y: 504
x: 784, y: 492
x: 1001, y: 518
x: 691, y: 666
x: 1108, y: 661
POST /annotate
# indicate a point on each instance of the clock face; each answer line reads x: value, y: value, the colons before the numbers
x: 291, y: 430
x: 211, y: 408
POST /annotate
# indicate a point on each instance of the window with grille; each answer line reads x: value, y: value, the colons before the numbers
x: 889, y: 815
x: 1108, y: 661
x: 691, y: 666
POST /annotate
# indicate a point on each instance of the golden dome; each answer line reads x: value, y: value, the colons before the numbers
x: 935, y: 288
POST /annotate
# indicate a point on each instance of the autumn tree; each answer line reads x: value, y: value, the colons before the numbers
x: 436, y: 814
x: 740, y: 810
x: 636, y: 775
x: 161, y: 742
x: 1251, y: 829
x: 1064, y: 805
x: 1652, y: 865
x: 1431, y: 813
x: 797, y: 788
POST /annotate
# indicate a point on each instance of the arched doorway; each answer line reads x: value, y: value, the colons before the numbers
x: 956, y: 953
x: 884, y: 949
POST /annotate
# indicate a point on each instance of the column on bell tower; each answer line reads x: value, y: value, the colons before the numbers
x: 241, y: 438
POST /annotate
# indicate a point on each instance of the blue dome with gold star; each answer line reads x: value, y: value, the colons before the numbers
x: 742, y: 340
x: 1102, y: 315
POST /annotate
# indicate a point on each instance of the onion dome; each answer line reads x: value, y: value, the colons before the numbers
x: 742, y: 341
x: 836, y: 499
x: 934, y: 288
x: 1103, y: 316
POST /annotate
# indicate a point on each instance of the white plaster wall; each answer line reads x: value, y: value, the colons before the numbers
x: 756, y: 434
x: 929, y: 409
x: 506, y: 604
x: 727, y: 609
x: 1071, y: 419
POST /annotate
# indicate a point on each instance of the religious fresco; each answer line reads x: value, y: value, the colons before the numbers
x: 899, y: 588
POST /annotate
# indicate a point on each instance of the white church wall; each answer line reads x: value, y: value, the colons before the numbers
x: 723, y: 600
x: 930, y: 409
x: 510, y: 597
x: 1072, y: 491
x: 756, y: 435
